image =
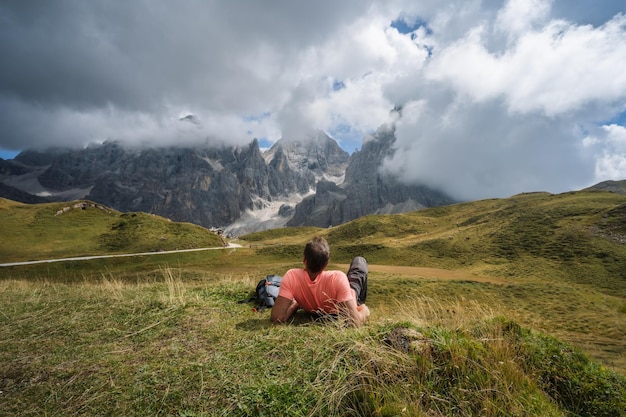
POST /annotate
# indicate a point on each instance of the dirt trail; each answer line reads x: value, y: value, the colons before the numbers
x: 423, y: 272
x: 121, y: 255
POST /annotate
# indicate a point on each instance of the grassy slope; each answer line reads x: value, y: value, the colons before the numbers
x: 164, y: 335
x: 572, y: 236
x: 36, y: 231
x: 613, y: 186
x: 564, y: 257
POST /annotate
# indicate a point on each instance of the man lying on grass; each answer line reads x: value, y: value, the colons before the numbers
x: 316, y: 290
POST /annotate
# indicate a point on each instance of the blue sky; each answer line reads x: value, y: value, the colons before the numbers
x: 4, y: 154
x: 498, y: 97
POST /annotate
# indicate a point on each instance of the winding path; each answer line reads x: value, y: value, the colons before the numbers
x: 123, y: 255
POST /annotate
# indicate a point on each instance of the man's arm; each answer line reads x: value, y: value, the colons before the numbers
x: 283, y: 309
x: 356, y: 314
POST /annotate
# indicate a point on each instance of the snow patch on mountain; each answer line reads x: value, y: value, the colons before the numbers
x: 266, y: 215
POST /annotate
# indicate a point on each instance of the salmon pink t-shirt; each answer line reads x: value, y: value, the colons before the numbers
x: 319, y: 295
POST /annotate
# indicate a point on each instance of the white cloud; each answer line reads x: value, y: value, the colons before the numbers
x: 480, y: 151
x: 610, y: 145
x: 519, y: 16
x: 365, y: 57
x: 497, y: 94
x: 490, y: 123
x: 556, y: 69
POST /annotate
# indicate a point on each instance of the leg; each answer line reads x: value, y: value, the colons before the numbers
x: 357, y: 276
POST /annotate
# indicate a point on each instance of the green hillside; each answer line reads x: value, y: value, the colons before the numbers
x: 57, y: 230
x: 556, y: 262
x: 504, y: 307
x: 577, y: 236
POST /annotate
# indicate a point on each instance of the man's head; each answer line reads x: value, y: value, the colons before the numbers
x: 316, y: 254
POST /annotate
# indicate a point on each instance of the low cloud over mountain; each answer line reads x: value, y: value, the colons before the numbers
x: 309, y: 181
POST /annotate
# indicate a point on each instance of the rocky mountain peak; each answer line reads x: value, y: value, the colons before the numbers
x: 315, y: 152
x: 298, y: 181
x: 365, y: 189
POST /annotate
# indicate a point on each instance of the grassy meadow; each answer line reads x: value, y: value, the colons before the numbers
x: 507, y: 307
x: 80, y: 228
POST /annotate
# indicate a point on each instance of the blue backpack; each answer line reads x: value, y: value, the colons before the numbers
x: 266, y: 292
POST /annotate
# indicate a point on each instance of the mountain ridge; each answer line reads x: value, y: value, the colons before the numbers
x: 611, y: 186
x: 366, y: 189
x: 238, y: 188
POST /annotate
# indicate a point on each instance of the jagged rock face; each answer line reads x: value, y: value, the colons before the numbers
x: 80, y: 168
x: 206, y: 186
x: 365, y: 190
x: 11, y: 168
x: 239, y: 188
x: 323, y: 209
x: 317, y: 153
x: 36, y: 158
x: 210, y: 187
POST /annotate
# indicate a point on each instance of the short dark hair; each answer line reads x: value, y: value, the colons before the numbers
x: 317, y: 254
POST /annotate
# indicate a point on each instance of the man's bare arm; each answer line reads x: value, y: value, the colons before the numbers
x: 283, y: 309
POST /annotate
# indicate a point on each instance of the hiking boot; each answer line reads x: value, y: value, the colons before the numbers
x: 357, y: 276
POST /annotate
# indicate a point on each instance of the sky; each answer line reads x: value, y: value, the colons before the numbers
x: 496, y: 97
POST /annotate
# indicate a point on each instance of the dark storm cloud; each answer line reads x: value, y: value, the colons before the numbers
x: 139, y: 54
x: 151, y: 57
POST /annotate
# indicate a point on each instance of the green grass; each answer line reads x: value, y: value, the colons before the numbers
x: 171, y: 347
x: 45, y: 231
x: 165, y: 334
x: 579, y: 237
